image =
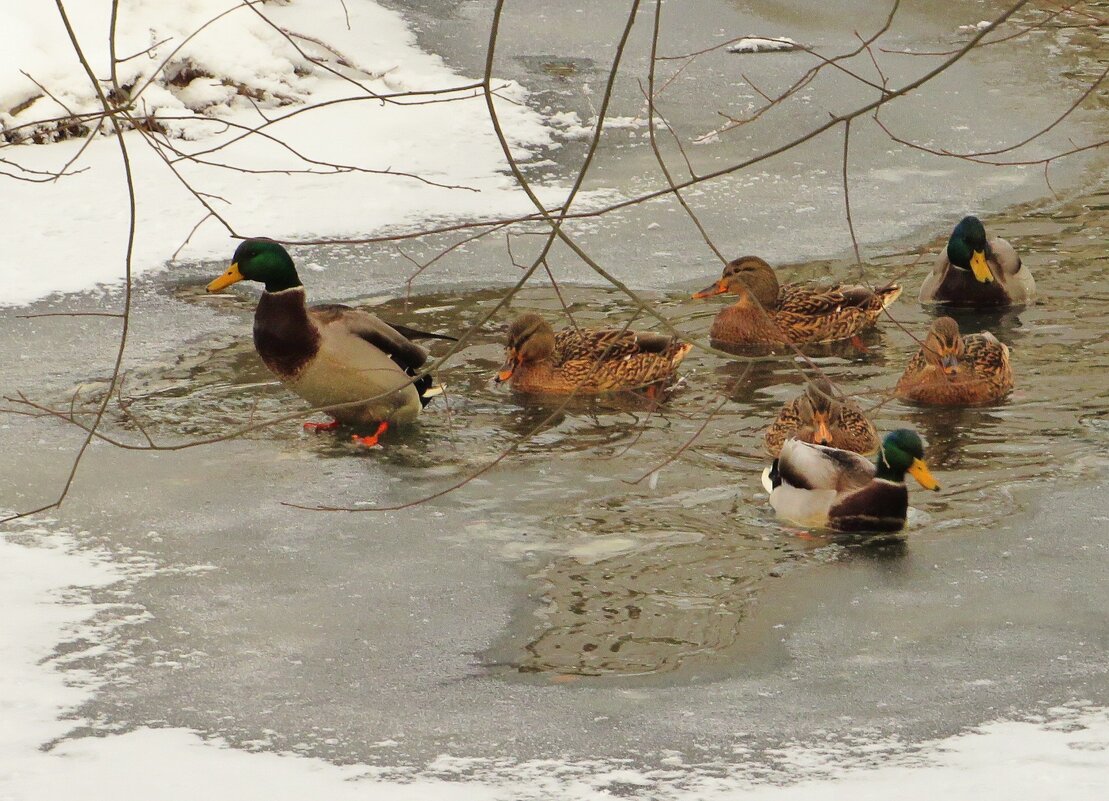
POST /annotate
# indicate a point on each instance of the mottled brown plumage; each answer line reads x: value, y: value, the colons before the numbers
x: 766, y: 314
x: 819, y: 417
x: 953, y: 370
x: 586, y: 360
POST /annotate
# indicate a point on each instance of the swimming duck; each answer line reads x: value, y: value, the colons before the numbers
x: 813, y: 485
x: 795, y: 313
x: 344, y: 360
x: 588, y: 360
x: 818, y: 416
x: 976, y: 271
x: 953, y: 370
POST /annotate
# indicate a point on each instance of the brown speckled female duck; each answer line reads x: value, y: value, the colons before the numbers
x: 976, y: 271
x: 953, y: 370
x: 766, y: 314
x: 330, y: 354
x: 587, y: 360
x: 819, y: 417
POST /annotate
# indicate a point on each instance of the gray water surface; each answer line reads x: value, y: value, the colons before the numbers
x: 557, y: 605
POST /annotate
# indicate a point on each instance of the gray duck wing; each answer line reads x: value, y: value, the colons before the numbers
x: 1005, y: 256
x: 931, y: 285
x: 1019, y: 283
x: 815, y: 467
x: 373, y: 330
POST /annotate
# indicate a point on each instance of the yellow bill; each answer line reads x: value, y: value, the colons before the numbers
x: 980, y: 268
x: 919, y: 471
x: 232, y: 276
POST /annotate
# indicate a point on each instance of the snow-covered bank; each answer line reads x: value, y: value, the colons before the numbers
x: 44, y: 591
x: 240, y: 70
x: 42, y: 610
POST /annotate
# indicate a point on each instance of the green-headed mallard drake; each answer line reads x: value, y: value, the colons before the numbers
x: 818, y: 416
x: 812, y: 485
x: 588, y: 360
x: 953, y: 370
x: 343, y: 360
x: 767, y: 314
x: 976, y: 271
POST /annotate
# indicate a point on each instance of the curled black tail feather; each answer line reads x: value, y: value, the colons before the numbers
x: 422, y: 385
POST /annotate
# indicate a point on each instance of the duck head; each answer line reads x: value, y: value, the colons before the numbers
x: 903, y: 452
x: 261, y: 260
x: 967, y: 249
x: 944, y: 347
x: 748, y: 277
x: 530, y: 339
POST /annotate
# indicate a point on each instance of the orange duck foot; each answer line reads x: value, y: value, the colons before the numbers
x: 859, y: 344
x: 315, y: 428
x: 371, y: 440
x: 805, y: 534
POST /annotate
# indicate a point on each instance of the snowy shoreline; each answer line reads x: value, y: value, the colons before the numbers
x: 45, y: 587
x: 284, y: 185
x: 48, y: 576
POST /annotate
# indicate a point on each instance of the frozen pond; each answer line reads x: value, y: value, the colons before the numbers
x: 573, y: 603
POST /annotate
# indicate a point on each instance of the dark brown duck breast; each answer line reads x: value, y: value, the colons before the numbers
x: 960, y: 288
x: 881, y: 506
x: 284, y: 334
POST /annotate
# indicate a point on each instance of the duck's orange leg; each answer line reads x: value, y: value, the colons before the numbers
x: 371, y: 440
x: 857, y: 341
x: 315, y: 428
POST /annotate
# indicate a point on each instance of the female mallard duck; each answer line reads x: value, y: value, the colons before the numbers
x: 975, y: 271
x: 798, y: 314
x: 953, y: 370
x: 830, y: 488
x: 818, y: 416
x: 588, y: 360
x: 343, y: 360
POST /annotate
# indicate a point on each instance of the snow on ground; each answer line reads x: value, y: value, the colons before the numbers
x: 756, y: 44
x: 45, y: 582
x: 48, y: 623
x: 239, y: 71
x: 39, y: 613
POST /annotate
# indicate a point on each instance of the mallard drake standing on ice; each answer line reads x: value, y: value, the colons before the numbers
x: 343, y: 360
